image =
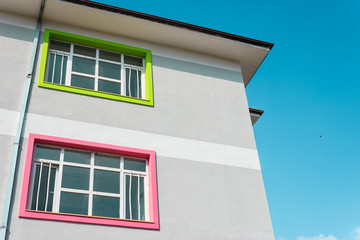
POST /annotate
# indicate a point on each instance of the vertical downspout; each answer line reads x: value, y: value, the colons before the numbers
x: 15, y: 153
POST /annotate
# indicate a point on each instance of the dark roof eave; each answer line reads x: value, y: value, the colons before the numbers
x: 256, y: 111
x: 171, y: 22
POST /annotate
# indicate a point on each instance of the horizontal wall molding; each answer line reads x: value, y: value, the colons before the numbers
x: 164, y: 145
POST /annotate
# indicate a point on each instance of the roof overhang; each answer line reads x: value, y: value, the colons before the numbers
x: 248, y: 52
x: 255, y: 114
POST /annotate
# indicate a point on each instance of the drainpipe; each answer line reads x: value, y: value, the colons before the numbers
x: 15, y: 155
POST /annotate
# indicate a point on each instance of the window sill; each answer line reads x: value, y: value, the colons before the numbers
x: 77, y: 218
x: 98, y: 94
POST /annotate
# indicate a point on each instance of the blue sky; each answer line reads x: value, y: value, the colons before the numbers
x: 308, y: 86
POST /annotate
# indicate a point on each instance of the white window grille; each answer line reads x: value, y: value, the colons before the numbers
x: 89, y: 183
x: 96, y: 69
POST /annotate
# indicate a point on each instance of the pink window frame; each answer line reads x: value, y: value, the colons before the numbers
x: 98, y: 147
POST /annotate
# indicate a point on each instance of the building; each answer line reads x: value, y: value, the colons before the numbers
x: 118, y: 124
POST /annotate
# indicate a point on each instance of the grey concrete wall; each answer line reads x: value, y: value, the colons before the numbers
x: 15, y: 51
x: 6, y: 144
x: 188, y: 104
x: 15, y: 48
x: 193, y: 102
x: 187, y: 96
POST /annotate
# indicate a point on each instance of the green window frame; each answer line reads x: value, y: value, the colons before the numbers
x: 143, y: 73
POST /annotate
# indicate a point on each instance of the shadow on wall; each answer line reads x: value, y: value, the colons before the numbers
x: 196, y: 68
x: 15, y: 32
x: 174, y: 64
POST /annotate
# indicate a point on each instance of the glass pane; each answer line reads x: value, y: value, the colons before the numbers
x: 109, y: 56
x: 61, y: 46
x: 83, y: 65
x: 127, y: 197
x: 106, y: 181
x: 77, y: 157
x: 106, y: 206
x: 91, y: 52
x: 136, y: 165
x: 57, y: 73
x: 43, y: 188
x: 142, y: 199
x: 51, y: 189
x: 59, y: 62
x: 139, y: 84
x: 132, y: 198
x: 107, y: 161
x: 47, y: 153
x: 63, y: 76
x: 109, y: 70
x: 50, y: 67
x: 110, y: 87
x: 75, y: 178
x: 82, y: 82
x: 36, y: 181
x: 133, y: 80
x: 74, y: 203
x: 136, y: 61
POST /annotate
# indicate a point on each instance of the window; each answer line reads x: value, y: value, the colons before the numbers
x: 97, y: 68
x: 71, y: 180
